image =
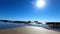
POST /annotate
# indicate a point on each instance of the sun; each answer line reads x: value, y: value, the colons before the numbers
x: 40, y: 3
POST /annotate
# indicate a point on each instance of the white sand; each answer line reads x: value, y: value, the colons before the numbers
x: 28, y: 30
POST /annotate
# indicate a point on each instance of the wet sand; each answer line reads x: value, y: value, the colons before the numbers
x: 28, y: 30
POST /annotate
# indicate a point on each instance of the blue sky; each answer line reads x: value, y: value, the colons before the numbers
x: 26, y: 10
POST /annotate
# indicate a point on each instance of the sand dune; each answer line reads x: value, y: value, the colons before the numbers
x: 28, y: 30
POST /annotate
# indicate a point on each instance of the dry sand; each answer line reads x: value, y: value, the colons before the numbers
x: 28, y: 30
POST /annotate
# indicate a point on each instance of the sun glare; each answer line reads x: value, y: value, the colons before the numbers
x: 40, y: 3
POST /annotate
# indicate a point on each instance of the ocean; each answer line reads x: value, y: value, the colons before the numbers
x: 4, y: 25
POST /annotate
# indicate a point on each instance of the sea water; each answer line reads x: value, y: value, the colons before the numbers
x: 5, y: 25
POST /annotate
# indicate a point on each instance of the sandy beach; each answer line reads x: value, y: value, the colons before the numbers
x: 28, y: 30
